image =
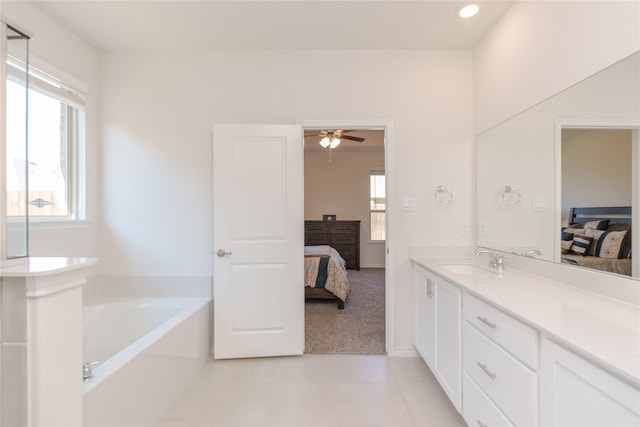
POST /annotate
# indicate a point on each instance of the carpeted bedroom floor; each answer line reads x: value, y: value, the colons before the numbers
x: 359, y: 328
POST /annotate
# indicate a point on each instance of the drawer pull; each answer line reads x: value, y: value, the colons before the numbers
x: 487, y: 371
x: 486, y: 322
x: 481, y: 424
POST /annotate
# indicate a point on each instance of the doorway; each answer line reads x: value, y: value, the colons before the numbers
x: 338, y: 182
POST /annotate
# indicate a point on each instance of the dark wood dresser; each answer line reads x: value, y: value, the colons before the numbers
x: 343, y: 236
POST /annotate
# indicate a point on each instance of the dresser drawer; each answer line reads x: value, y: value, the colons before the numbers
x: 510, y: 384
x: 478, y: 409
x: 344, y: 228
x: 337, y: 239
x: 516, y: 337
x: 316, y: 227
x: 312, y: 239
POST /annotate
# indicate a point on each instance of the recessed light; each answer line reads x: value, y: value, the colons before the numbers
x: 468, y: 11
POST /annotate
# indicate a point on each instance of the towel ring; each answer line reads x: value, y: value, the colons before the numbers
x: 511, y: 195
x: 442, y: 195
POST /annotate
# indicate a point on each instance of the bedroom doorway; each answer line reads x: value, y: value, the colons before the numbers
x: 350, y: 183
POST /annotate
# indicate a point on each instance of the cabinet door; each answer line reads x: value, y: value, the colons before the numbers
x: 448, y: 340
x: 576, y: 392
x: 425, y: 327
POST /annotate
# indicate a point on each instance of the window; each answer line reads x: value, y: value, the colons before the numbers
x: 55, y: 116
x: 377, y: 205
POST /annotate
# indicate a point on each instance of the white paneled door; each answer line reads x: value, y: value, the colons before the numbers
x: 258, y: 214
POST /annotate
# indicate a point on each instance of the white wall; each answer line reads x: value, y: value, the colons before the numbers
x: 342, y: 188
x: 596, y: 169
x: 157, y: 112
x: 540, y: 48
x: 55, y: 49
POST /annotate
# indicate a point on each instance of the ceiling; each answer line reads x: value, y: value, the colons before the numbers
x: 160, y: 25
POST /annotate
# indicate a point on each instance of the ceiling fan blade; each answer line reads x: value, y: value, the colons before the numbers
x: 352, y: 138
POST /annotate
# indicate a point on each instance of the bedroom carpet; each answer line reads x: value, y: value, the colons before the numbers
x: 359, y: 328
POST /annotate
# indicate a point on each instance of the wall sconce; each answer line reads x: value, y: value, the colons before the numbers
x: 442, y: 195
x: 511, y: 195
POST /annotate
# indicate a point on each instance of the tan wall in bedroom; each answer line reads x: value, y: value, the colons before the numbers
x: 342, y: 188
x: 596, y: 169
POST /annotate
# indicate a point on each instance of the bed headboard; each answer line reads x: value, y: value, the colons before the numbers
x: 618, y: 214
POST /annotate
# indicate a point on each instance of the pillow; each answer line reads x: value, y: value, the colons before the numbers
x: 597, y: 225
x: 573, y: 230
x: 626, y: 246
x: 581, y: 244
x: 566, y: 240
x: 596, y: 234
x: 610, y: 243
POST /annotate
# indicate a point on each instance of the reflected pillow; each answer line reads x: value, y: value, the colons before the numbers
x: 566, y: 241
x: 607, y: 244
x: 581, y: 244
x: 597, y: 225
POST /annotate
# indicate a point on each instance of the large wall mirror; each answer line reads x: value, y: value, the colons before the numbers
x: 578, y: 149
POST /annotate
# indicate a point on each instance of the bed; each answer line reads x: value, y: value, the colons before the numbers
x: 325, y: 275
x: 598, y: 238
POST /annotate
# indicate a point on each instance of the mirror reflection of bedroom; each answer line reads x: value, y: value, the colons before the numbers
x: 597, y: 172
x: 344, y: 208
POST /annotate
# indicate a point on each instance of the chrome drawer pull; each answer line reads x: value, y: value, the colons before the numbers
x: 487, y: 371
x: 486, y: 322
x: 481, y: 424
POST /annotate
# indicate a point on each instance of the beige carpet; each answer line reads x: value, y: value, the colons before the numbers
x: 359, y: 328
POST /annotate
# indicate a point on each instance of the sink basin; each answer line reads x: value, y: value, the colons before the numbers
x: 463, y: 268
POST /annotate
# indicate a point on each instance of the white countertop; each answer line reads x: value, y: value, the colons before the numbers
x: 601, y: 328
x: 40, y: 266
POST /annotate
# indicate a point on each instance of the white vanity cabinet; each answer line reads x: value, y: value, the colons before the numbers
x: 438, y: 330
x: 576, y: 392
x: 500, y: 360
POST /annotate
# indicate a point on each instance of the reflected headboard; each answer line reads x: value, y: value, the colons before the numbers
x: 616, y: 214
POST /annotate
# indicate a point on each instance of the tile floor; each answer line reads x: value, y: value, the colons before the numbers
x: 314, y: 390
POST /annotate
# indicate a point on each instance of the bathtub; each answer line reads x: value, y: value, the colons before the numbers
x: 151, y: 347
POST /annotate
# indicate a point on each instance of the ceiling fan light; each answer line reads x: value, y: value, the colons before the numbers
x: 334, y: 142
x: 325, y: 142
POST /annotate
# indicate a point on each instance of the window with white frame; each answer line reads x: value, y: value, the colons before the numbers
x: 377, y: 205
x: 56, y: 116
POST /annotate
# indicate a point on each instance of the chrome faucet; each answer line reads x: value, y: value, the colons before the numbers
x: 533, y: 252
x: 87, y: 374
x: 496, y: 261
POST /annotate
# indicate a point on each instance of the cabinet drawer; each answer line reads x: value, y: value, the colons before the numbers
x: 516, y: 337
x: 318, y: 227
x: 337, y: 239
x: 478, y: 409
x: 507, y: 382
x: 344, y: 228
x: 316, y: 239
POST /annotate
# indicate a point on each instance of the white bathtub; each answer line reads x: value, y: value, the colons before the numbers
x: 151, y: 348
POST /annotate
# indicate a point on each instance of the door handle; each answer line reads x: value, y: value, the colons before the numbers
x: 222, y: 253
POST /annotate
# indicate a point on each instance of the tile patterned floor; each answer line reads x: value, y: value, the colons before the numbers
x: 314, y: 390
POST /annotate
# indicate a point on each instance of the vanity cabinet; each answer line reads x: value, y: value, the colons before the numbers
x: 438, y: 330
x: 576, y: 392
x: 500, y: 361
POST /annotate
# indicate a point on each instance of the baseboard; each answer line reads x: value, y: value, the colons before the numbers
x: 405, y: 352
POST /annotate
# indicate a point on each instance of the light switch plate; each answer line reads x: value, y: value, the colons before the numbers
x: 409, y: 204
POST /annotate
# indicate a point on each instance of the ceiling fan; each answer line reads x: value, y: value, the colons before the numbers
x: 332, y: 138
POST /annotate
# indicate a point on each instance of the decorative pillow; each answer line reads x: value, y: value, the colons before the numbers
x: 573, y: 230
x: 595, y: 234
x: 597, y: 225
x: 566, y: 242
x: 610, y: 244
x: 626, y: 246
x: 581, y: 244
